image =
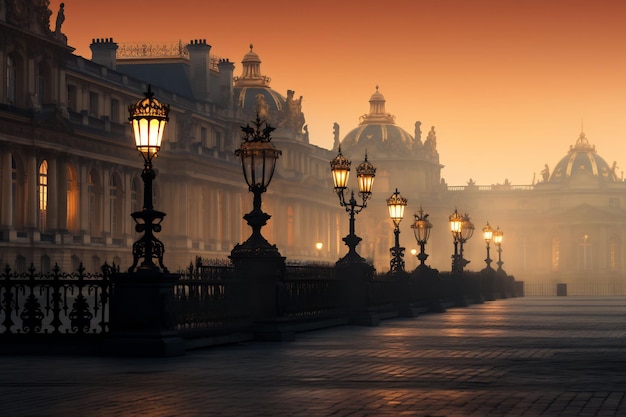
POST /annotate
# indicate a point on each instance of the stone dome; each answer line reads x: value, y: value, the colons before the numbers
x: 253, y: 93
x: 377, y: 132
x: 582, y: 165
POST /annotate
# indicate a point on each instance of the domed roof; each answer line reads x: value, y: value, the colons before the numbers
x: 377, y: 131
x: 582, y: 164
x: 253, y: 92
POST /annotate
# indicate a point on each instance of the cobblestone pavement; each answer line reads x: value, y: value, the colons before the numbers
x: 563, y: 356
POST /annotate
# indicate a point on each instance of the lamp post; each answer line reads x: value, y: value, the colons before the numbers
x: 467, y: 230
x: 456, y: 221
x: 258, y: 161
x: 497, y: 239
x: 148, y: 118
x: 462, y: 230
x: 488, y: 236
x: 142, y: 320
x: 421, y: 229
x: 396, y: 204
x: 340, y: 168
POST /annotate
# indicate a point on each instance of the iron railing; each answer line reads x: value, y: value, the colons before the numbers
x: 309, y: 291
x: 209, y: 300
x: 56, y: 302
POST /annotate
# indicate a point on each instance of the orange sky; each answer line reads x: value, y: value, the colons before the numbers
x: 507, y: 83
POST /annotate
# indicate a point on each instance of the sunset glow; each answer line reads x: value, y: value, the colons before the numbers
x: 508, y: 85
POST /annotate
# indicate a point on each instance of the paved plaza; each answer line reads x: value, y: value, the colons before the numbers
x: 562, y: 356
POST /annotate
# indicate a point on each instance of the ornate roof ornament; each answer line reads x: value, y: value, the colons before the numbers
x: 377, y: 114
x: 251, y: 74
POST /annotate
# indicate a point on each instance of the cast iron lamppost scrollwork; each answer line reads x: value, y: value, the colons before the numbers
x: 340, y: 168
x: 488, y: 236
x: 497, y: 239
x: 396, y: 204
x: 148, y: 118
x: 421, y: 229
x: 258, y: 161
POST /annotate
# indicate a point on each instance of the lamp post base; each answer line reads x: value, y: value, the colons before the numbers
x: 142, y: 316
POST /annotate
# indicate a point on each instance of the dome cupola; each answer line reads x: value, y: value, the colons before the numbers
x: 377, y: 131
x: 582, y: 165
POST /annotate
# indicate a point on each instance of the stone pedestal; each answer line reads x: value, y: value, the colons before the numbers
x: 488, y: 281
x: 142, y: 315
x: 354, y: 278
x: 262, y: 276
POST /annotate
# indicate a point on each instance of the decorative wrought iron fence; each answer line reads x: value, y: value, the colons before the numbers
x: 309, y: 291
x: 56, y: 302
x: 209, y: 300
x: 383, y: 289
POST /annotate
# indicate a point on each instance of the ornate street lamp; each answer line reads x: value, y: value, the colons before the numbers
x: 340, y: 169
x: 467, y: 231
x: 421, y: 229
x: 488, y: 236
x: 148, y: 118
x: 258, y: 161
x: 462, y: 230
x: 497, y: 239
x: 396, y: 204
x: 456, y: 221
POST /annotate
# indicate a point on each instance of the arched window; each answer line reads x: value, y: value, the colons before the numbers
x: 556, y: 254
x: 45, y: 264
x: 134, y: 196
x: 11, y: 80
x: 96, y: 263
x: 72, y: 199
x: 75, y: 263
x: 43, y: 194
x: 20, y: 264
x: 115, y: 205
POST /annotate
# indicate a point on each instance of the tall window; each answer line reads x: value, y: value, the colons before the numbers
x: 115, y: 205
x: 93, y: 192
x: 556, y: 254
x: 115, y: 110
x: 584, y: 253
x: 93, y: 104
x: 290, y: 227
x: 11, y: 79
x: 614, y: 254
x: 43, y: 194
x: 45, y: 264
x: 72, y: 98
x: 41, y: 83
x: 72, y: 200
x: 17, y: 193
x: 14, y: 192
x: 134, y: 201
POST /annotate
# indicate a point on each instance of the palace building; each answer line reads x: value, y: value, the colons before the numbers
x: 70, y: 173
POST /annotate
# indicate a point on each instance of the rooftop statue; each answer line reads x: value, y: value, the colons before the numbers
x: 336, y: 142
x: 545, y: 173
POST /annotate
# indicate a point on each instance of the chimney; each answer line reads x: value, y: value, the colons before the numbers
x: 199, y: 70
x: 227, y: 90
x: 103, y: 52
